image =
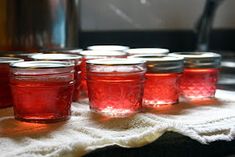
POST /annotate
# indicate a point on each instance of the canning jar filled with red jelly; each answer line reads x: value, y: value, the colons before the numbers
x: 162, y: 79
x: 200, y: 74
x: 96, y: 54
x: 42, y: 90
x: 5, y: 91
x: 115, y: 86
x: 73, y: 58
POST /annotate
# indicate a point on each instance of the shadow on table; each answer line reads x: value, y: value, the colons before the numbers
x: 14, y: 129
x: 179, y: 108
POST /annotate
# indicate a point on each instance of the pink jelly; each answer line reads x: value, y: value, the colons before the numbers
x: 200, y: 75
x: 115, y: 86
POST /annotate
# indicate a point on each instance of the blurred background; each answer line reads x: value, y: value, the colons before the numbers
x: 179, y: 25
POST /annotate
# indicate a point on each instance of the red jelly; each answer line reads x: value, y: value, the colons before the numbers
x: 5, y: 91
x: 42, y: 90
x: 89, y: 55
x: 74, y: 58
x: 200, y: 75
x: 115, y: 86
x: 162, y: 80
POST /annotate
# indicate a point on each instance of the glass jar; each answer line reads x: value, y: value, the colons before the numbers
x: 5, y: 91
x: 108, y: 48
x: 162, y: 79
x: 75, y: 59
x: 115, y: 86
x: 200, y: 74
x: 89, y: 55
x: 154, y: 51
x: 42, y: 90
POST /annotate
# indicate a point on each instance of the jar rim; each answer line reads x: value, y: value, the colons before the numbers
x: 116, y: 61
x: 108, y: 47
x: 148, y: 51
x: 41, y: 64
x: 54, y: 57
x: 108, y: 53
x: 157, y: 58
x: 196, y: 55
x: 199, y: 59
x: 8, y: 60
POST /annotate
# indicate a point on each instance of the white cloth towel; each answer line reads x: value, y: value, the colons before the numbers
x: 205, y: 122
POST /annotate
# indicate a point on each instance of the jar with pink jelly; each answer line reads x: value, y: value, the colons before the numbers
x: 74, y: 59
x: 200, y: 74
x: 162, y: 79
x: 42, y: 90
x: 5, y: 91
x: 96, y: 54
x: 115, y: 86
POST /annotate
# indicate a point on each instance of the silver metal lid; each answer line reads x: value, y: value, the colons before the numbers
x: 199, y: 59
x: 137, y: 51
x: 162, y: 64
x: 102, y: 53
x: 8, y: 60
x: 108, y: 47
x: 41, y: 64
x: 55, y: 57
x: 116, y: 61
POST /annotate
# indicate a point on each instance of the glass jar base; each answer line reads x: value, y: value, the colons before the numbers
x: 110, y: 112
x: 198, y: 97
x: 156, y: 103
x: 36, y: 119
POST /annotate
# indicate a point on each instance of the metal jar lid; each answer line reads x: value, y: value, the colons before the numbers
x: 102, y: 53
x: 55, y: 57
x: 117, y: 65
x: 41, y: 65
x: 113, y: 62
x: 108, y: 47
x: 8, y: 60
x: 199, y: 59
x: 162, y: 64
x: 137, y: 51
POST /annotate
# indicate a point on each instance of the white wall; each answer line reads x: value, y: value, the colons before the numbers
x: 150, y: 14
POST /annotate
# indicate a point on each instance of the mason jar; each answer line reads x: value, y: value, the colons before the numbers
x: 200, y: 74
x: 115, y: 86
x: 42, y: 90
x: 162, y: 79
